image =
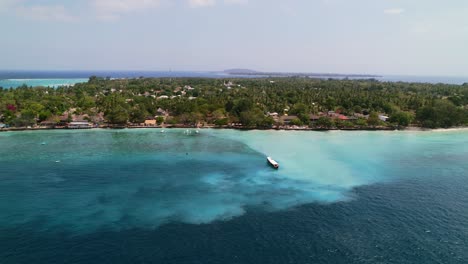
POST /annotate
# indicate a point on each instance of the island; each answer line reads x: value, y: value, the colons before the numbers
x: 243, y: 103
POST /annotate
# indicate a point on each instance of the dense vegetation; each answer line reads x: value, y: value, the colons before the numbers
x: 246, y: 101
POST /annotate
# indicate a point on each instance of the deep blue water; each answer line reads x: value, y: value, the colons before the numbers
x: 142, y: 196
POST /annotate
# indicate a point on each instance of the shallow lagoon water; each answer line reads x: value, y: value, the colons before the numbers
x: 15, y: 83
x: 339, y: 197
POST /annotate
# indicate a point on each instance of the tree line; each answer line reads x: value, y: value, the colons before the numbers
x: 244, y: 101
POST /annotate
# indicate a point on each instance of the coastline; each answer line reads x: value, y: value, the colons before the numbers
x: 406, y: 129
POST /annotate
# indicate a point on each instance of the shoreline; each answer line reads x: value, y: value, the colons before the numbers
x: 406, y: 129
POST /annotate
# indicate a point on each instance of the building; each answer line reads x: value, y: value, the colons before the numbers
x: 47, y: 124
x: 150, y: 122
x: 313, y: 118
x: 383, y: 118
x: 287, y: 119
x: 342, y: 117
x: 79, y: 125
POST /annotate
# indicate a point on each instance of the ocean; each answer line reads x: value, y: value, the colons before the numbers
x: 14, y: 79
x: 178, y: 196
x: 51, y: 82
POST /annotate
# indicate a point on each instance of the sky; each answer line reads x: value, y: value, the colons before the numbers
x: 405, y: 37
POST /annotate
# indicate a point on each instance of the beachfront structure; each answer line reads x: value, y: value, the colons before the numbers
x: 150, y: 122
x: 47, y: 124
x: 79, y: 125
x: 287, y: 119
x: 313, y: 118
x: 383, y: 118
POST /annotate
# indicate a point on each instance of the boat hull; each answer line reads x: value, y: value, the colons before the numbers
x: 272, y: 163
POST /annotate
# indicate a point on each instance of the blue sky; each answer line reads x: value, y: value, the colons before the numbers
x: 412, y: 37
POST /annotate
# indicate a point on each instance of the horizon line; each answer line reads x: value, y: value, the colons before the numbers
x: 217, y: 71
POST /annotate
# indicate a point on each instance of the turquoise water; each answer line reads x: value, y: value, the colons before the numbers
x: 14, y: 83
x: 126, y: 196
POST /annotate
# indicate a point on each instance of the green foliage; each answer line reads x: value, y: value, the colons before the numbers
x: 361, y: 122
x: 27, y: 118
x: 219, y: 113
x: 357, y: 109
x: 296, y: 122
x: 324, y: 122
x: 117, y: 115
x: 222, y: 122
x: 373, y: 119
x: 190, y: 118
x: 44, y: 115
x: 435, y: 105
x: 159, y: 120
x: 401, y: 118
x: 8, y: 117
x: 252, y: 118
x: 347, y: 124
x: 138, y: 115
x: 298, y: 109
x: 266, y: 122
x: 441, y: 113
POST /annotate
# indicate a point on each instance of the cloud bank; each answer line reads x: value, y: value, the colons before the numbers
x: 201, y: 3
x: 113, y: 9
x: 236, y: 2
x: 108, y: 10
x: 45, y: 13
x: 394, y: 11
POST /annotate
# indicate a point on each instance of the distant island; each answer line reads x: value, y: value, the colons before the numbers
x: 298, y: 74
x: 240, y: 71
x: 242, y: 103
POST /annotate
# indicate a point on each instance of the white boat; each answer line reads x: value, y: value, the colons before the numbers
x: 273, y: 163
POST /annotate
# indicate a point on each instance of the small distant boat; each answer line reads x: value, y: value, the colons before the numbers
x: 273, y: 163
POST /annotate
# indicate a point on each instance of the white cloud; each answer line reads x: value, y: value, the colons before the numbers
x: 45, y: 13
x: 236, y: 2
x: 113, y: 9
x: 201, y: 3
x: 394, y: 11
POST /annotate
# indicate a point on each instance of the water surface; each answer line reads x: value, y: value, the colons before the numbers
x: 126, y: 196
